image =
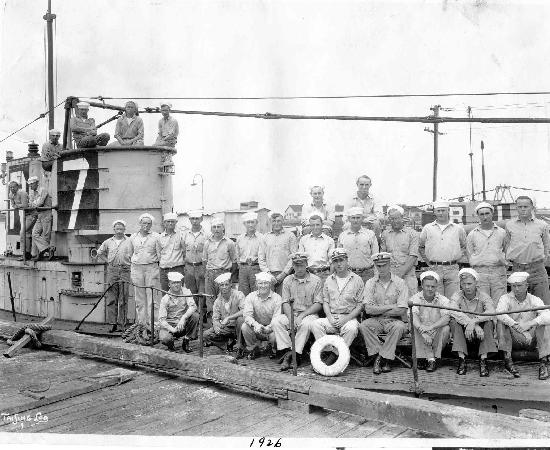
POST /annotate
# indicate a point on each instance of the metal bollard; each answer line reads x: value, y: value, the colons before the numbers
x: 414, y: 361
x: 292, y: 338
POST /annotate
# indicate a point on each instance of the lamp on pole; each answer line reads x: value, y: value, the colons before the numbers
x: 194, y: 183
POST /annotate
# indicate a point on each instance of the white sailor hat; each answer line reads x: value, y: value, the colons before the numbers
x: 518, y: 277
x: 355, y: 211
x: 54, y: 131
x: 196, y: 214
x: 441, y: 204
x: 83, y: 105
x: 32, y: 180
x: 166, y: 104
x: 484, y: 205
x: 429, y: 273
x: 396, y: 208
x: 122, y: 222
x: 264, y: 276
x: 146, y: 215
x: 468, y: 271
x: 170, y: 216
x: 338, y: 253
x: 249, y: 216
x: 223, y: 278
x: 381, y: 258
x: 297, y: 257
x: 216, y: 221
x: 175, y: 276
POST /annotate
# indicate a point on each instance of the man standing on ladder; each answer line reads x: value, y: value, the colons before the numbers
x: 42, y: 230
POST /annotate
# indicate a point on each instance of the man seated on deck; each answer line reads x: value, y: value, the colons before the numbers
x: 19, y: 199
x: 342, y: 294
x: 52, y: 149
x: 260, y: 307
x: 84, y: 130
x: 129, y: 129
x: 42, y: 229
x: 306, y: 291
x: 530, y: 329
x: 168, y: 128
x: 466, y: 327
x: 177, y: 315
x: 385, y: 300
x: 227, y: 314
x: 318, y: 246
x: 430, y: 325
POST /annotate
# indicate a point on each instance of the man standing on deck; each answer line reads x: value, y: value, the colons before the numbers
x: 485, y: 244
x: 219, y: 256
x: 172, y: 249
x: 430, y: 325
x: 117, y: 253
x: 360, y: 244
x: 168, y: 128
x: 306, y: 291
x: 177, y: 315
x: 524, y: 330
x: 144, y: 271
x: 528, y: 247
x: 19, y: 199
x: 42, y: 230
x: 442, y: 245
x: 84, y: 130
x: 363, y: 199
x: 275, y: 250
x: 402, y: 243
x: 194, y: 246
x: 318, y: 205
x: 227, y: 315
x: 385, y: 300
x: 52, y: 149
x: 318, y: 247
x: 467, y: 327
x: 247, y: 247
x: 342, y: 295
x: 260, y: 308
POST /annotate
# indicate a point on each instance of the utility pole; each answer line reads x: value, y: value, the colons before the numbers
x: 49, y: 18
x: 471, y: 154
x: 436, y: 133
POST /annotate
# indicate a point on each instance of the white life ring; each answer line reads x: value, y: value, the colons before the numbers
x: 343, y: 355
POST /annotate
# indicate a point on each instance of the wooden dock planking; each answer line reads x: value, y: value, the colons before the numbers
x: 286, y: 421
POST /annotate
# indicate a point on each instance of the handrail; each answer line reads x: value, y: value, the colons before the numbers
x: 538, y: 308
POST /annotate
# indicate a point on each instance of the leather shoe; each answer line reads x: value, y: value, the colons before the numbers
x: 386, y: 365
x: 376, y: 368
x: 240, y: 353
x: 185, y: 345
x: 461, y: 369
x: 287, y: 362
x: 483, y: 370
x: 421, y: 364
x: 331, y: 359
x: 230, y: 344
x: 509, y: 366
x: 543, y: 371
x: 253, y: 354
x: 431, y: 366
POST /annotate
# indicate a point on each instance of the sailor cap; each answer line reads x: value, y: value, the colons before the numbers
x: 396, y: 208
x: 196, y: 214
x: 518, y: 277
x: 484, y: 205
x: 298, y: 257
x: 83, y: 105
x: 170, y: 216
x: 264, y: 276
x: 175, y: 276
x: 338, y: 253
x: 55, y: 132
x: 146, y: 216
x: 249, y: 216
x: 429, y: 273
x: 381, y: 258
x: 122, y: 222
x: 441, y: 204
x: 223, y: 278
x: 355, y: 211
x: 468, y: 271
x: 216, y: 221
x: 32, y: 180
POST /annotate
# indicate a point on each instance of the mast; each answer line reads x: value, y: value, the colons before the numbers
x: 49, y: 18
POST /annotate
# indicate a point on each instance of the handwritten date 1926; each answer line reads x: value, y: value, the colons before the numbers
x: 267, y: 442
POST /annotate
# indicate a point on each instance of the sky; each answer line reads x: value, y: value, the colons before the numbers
x: 174, y: 48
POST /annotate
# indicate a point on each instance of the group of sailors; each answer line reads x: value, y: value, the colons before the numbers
x: 358, y: 283
x: 129, y: 130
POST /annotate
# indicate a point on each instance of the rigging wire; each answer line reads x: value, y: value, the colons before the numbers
x: 41, y: 116
x: 314, y: 97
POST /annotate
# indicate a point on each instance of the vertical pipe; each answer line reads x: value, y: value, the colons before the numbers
x: 152, y: 317
x: 24, y: 248
x: 49, y: 17
x: 12, y: 300
x: 435, y: 109
x: 293, y: 338
x: 201, y: 342
x: 413, y: 343
x: 483, y: 169
x: 471, y: 155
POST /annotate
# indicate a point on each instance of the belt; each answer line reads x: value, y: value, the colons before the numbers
x: 442, y: 263
x: 315, y: 270
x: 193, y: 264
x: 354, y: 269
x: 249, y: 264
x: 120, y: 265
x: 528, y: 265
